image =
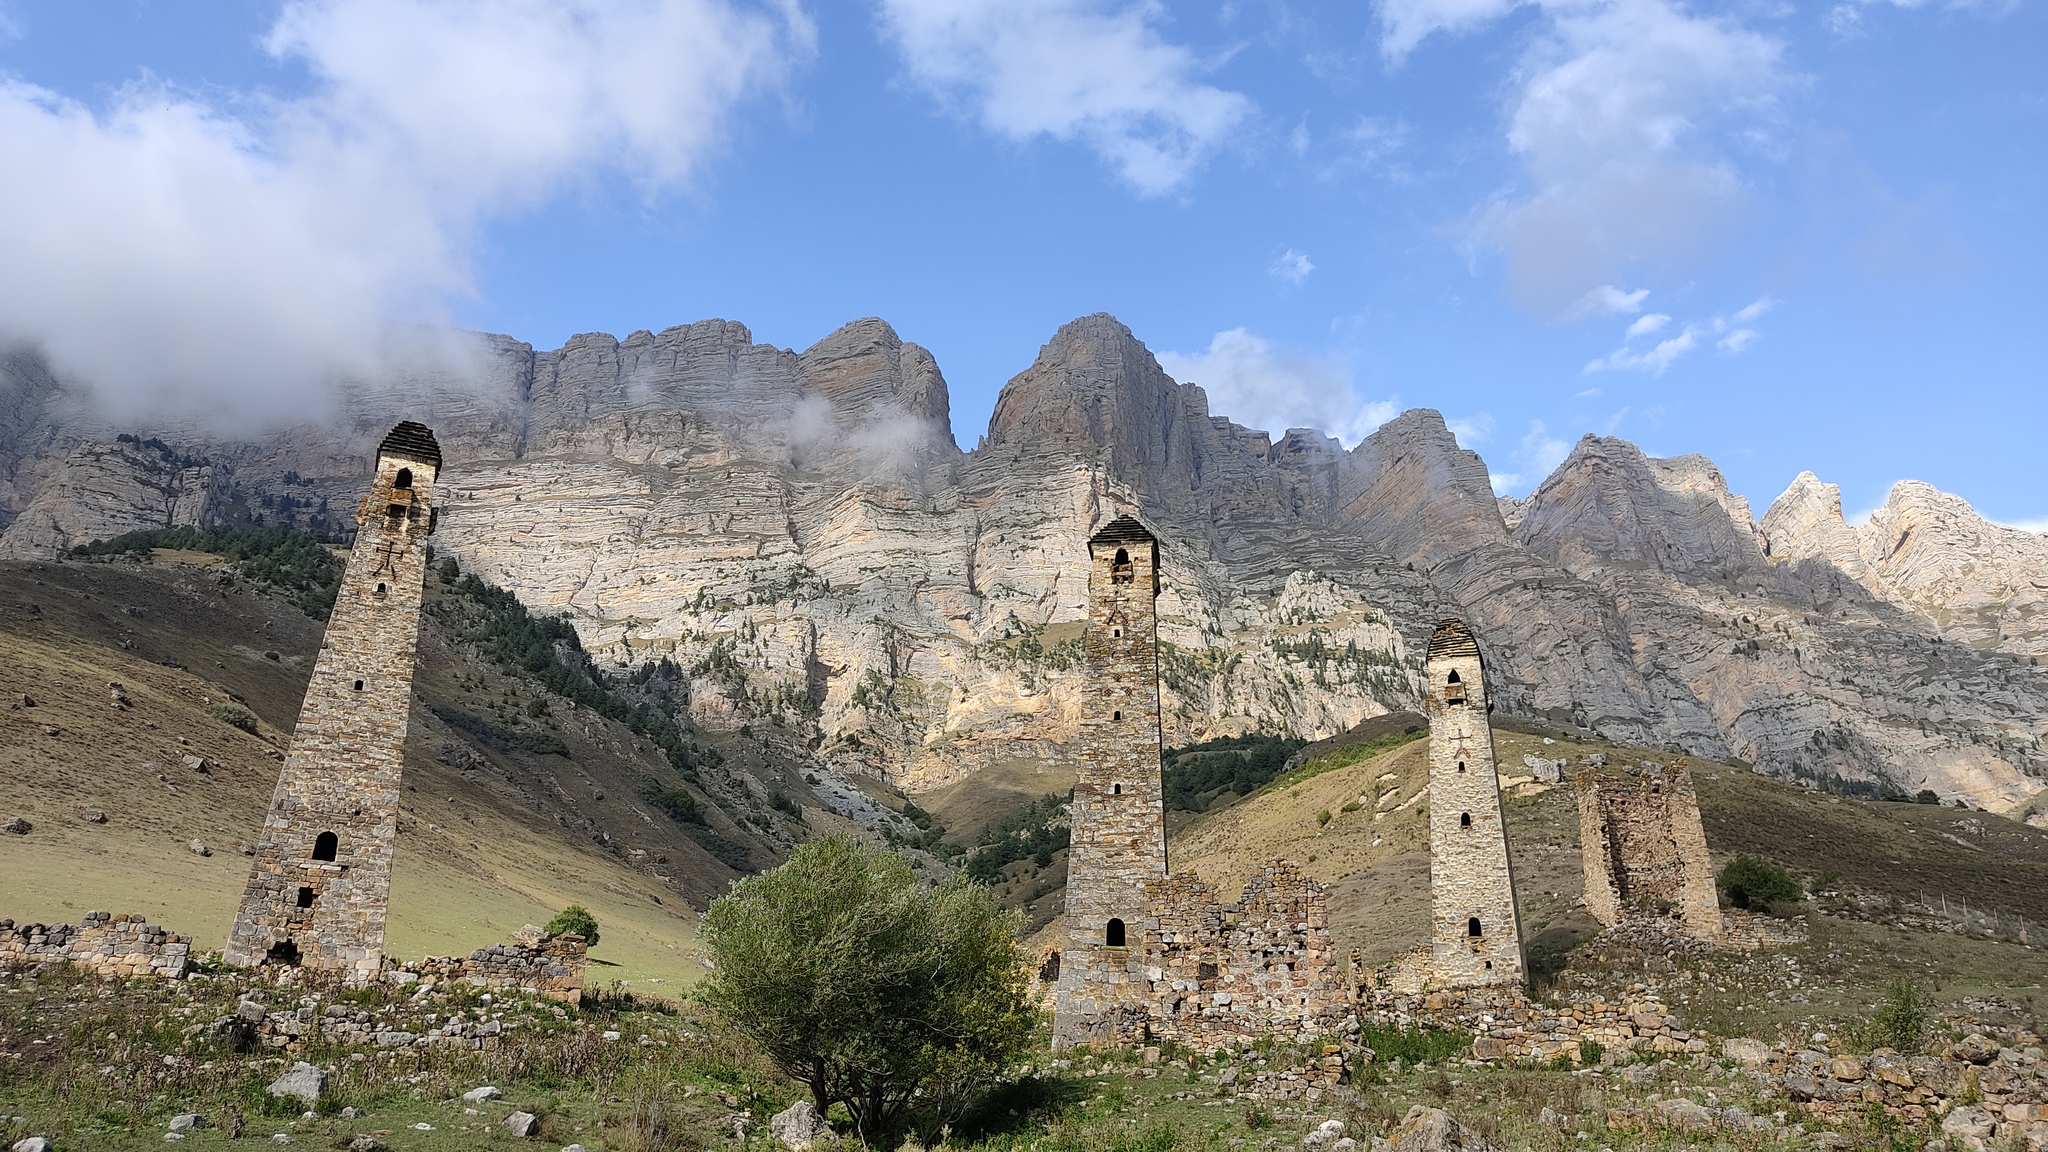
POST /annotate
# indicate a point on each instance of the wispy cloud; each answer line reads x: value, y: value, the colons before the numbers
x: 2040, y: 525
x: 1261, y: 385
x: 1292, y: 266
x: 1629, y: 116
x: 1073, y: 70
x: 1721, y: 330
x: 1607, y: 300
x: 221, y: 260
x: 1471, y: 430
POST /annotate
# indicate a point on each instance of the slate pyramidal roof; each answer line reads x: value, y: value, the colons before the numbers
x: 1124, y: 530
x: 1452, y: 638
x: 414, y: 441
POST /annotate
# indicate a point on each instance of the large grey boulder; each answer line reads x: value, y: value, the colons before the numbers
x: 304, y: 1081
x: 1427, y: 1129
x: 522, y: 1124
x: 32, y: 1144
x: 797, y: 1126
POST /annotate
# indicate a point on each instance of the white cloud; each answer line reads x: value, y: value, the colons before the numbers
x: 1292, y: 266
x: 1537, y: 456
x: 1588, y: 394
x: 1646, y: 325
x: 1654, y: 361
x: 1471, y: 430
x: 1607, y: 300
x: 1731, y: 340
x: 1626, y: 114
x: 1405, y: 23
x: 1755, y: 309
x: 184, y: 258
x: 1087, y: 70
x: 1259, y: 385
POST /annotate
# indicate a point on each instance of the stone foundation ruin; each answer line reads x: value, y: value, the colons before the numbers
x: 106, y: 944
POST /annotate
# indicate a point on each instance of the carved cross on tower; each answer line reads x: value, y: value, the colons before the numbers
x: 387, y: 557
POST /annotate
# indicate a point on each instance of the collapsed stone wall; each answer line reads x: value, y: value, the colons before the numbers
x: 1507, y: 1025
x: 1644, y: 848
x: 550, y: 965
x: 111, y: 945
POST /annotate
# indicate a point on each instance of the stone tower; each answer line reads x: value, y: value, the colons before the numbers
x: 1118, y: 812
x: 1645, y: 850
x: 1476, y: 931
x: 317, y: 894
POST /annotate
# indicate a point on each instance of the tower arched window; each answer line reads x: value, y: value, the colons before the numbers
x: 1472, y: 928
x: 1454, y: 689
x: 1120, y: 571
x: 1464, y: 819
x: 325, y: 846
x: 404, y: 479
x: 1113, y: 933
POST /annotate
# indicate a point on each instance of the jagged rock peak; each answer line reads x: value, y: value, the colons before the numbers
x: 1805, y: 522
x: 865, y: 369
x: 1610, y: 502
x: 1414, y: 489
x: 1093, y: 381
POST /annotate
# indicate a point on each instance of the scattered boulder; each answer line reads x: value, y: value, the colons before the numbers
x: 199, y: 848
x: 251, y: 1011
x: 117, y: 694
x: 366, y: 1143
x: 245, y: 848
x: 304, y: 1081
x: 92, y: 815
x: 31, y: 1144
x: 19, y: 827
x: 1748, y: 1053
x: 1976, y: 1048
x: 1969, y: 1126
x: 479, y: 1095
x: 186, y: 1121
x: 797, y: 1126
x: 1684, y: 1114
x: 1427, y: 1129
x: 1328, y: 1132
x: 51, y: 730
x: 522, y: 1124
x: 27, y: 701
x: 198, y: 764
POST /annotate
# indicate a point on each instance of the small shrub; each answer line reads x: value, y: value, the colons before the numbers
x: 1415, y: 1044
x: 575, y: 918
x: 1927, y: 796
x: 1351, y: 806
x: 1755, y: 883
x: 1323, y: 817
x: 234, y: 716
x: 1590, y: 1052
x: 1257, y: 1117
x: 1900, y: 1022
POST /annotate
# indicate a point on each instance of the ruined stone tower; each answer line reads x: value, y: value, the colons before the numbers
x: 1118, y: 812
x: 317, y: 894
x: 1645, y: 850
x: 1476, y: 931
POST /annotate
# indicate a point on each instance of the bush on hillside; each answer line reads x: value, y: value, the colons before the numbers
x: 1900, y: 1023
x: 903, y: 1004
x: 1755, y: 883
x: 575, y: 918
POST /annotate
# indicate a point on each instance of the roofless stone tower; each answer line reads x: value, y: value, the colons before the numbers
x: 322, y: 878
x: 1476, y: 935
x: 1118, y: 814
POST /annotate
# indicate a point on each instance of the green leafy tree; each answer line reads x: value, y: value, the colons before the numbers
x: 900, y: 1002
x: 575, y: 918
x: 1755, y: 883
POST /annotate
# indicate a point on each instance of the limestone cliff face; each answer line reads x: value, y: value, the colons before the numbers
x: 802, y: 534
x: 104, y: 489
x: 1929, y: 553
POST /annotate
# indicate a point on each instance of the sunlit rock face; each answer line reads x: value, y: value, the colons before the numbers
x: 801, y: 532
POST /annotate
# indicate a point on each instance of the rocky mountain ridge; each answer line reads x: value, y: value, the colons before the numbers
x: 800, y: 532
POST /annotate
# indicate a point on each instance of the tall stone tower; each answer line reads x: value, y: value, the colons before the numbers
x: 1476, y: 931
x: 322, y: 878
x: 1645, y: 850
x: 1118, y: 813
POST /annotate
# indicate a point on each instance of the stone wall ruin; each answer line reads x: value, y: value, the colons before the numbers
x: 110, y: 945
x: 1644, y: 849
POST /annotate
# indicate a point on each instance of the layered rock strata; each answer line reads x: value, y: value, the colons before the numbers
x: 801, y: 534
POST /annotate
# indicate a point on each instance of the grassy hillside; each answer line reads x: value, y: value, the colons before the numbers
x: 518, y: 800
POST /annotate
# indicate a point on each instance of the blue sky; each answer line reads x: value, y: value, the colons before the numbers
x: 1787, y: 236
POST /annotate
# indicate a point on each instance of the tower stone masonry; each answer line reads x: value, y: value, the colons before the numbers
x: 318, y: 891
x: 1118, y: 811
x: 1645, y: 850
x: 1476, y: 929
